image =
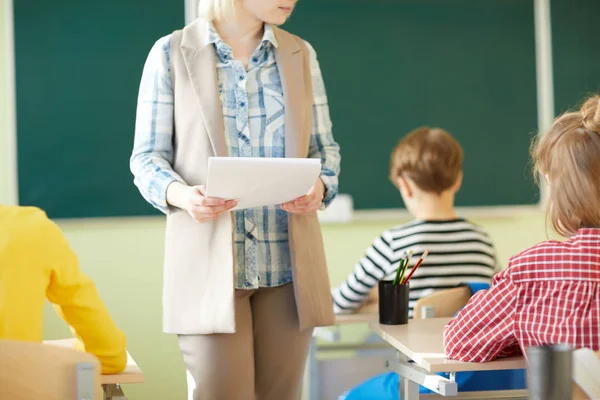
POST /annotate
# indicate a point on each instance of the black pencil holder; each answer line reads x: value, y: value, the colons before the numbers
x: 393, y: 303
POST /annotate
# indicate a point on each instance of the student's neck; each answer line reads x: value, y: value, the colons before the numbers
x: 436, y: 208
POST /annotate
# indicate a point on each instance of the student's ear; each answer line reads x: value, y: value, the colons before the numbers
x: 458, y: 183
x: 405, y: 188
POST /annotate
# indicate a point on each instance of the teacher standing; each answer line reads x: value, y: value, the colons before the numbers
x: 242, y: 289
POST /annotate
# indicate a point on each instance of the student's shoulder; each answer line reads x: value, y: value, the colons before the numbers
x: 528, y: 263
x: 526, y: 256
x: 444, y: 226
x: 27, y: 226
x: 23, y: 218
x: 476, y: 227
x: 29, y: 223
x: 399, y: 231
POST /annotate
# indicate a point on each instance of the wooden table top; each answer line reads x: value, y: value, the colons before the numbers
x: 421, y: 341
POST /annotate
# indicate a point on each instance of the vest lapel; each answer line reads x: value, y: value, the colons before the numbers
x: 290, y: 64
x: 202, y: 69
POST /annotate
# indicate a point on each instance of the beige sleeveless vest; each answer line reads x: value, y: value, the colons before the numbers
x: 198, y: 286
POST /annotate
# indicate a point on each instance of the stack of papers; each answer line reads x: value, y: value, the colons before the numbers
x: 257, y: 182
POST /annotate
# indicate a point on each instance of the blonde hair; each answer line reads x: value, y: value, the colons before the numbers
x: 430, y: 157
x: 569, y: 155
x: 215, y: 9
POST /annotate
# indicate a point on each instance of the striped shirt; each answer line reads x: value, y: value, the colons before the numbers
x: 253, y: 108
x: 548, y: 294
x: 459, y: 252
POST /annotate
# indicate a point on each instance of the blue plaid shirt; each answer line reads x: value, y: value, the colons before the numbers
x: 253, y: 115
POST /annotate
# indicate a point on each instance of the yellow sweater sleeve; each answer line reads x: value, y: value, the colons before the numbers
x: 76, y: 299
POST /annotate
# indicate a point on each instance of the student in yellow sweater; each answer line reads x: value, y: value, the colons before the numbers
x: 36, y: 263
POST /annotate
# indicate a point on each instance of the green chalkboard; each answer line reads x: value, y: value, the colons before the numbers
x: 392, y: 65
x: 78, y: 68
x: 389, y: 66
x: 575, y: 50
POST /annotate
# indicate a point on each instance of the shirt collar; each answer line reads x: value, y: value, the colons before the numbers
x: 269, y: 36
x: 225, y: 52
x: 588, y: 233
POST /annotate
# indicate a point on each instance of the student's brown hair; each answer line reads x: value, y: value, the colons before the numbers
x: 569, y: 155
x: 430, y: 157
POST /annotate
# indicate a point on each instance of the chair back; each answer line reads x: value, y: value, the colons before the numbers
x: 446, y: 303
x: 34, y: 371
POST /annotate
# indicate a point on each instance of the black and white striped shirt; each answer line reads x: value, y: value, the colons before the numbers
x: 459, y: 252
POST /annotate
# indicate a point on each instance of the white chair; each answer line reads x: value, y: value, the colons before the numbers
x: 445, y: 303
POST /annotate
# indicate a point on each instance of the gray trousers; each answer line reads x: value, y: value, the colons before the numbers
x: 263, y: 360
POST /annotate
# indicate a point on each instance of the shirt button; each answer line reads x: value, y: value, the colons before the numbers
x: 241, y: 78
x: 254, y: 59
x: 242, y: 104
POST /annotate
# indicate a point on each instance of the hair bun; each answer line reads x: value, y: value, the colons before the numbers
x: 590, y: 113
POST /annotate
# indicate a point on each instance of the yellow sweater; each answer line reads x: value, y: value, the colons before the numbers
x: 36, y: 263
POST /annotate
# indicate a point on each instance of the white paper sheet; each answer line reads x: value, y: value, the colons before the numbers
x: 256, y: 181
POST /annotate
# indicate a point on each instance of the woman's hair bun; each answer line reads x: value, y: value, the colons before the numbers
x: 590, y: 113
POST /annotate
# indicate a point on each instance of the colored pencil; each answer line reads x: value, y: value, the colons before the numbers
x: 410, y: 253
x: 417, y: 265
x: 400, y: 268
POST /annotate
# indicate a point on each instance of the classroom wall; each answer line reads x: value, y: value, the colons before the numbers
x: 124, y: 258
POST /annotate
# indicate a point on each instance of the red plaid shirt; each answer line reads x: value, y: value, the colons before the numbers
x: 548, y: 294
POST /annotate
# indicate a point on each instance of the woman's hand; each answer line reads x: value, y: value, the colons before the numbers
x: 198, y: 206
x: 307, y: 204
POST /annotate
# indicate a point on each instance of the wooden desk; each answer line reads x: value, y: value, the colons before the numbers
x: 111, y: 384
x: 359, y: 318
x: 368, y: 314
x: 421, y: 354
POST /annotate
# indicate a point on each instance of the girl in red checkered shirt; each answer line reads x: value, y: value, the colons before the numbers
x: 549, y: 293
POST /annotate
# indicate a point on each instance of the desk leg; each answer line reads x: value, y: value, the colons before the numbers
x: 412, y: 376
x: 411, y: 389
x: 113, y: 392
x: 408, y: 387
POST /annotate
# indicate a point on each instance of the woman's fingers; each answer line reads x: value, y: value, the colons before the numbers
x: 209, y: 213
x: 301, y: 210
x: 198, y: 197
x: 302, y: 202
x: 212, y: 202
